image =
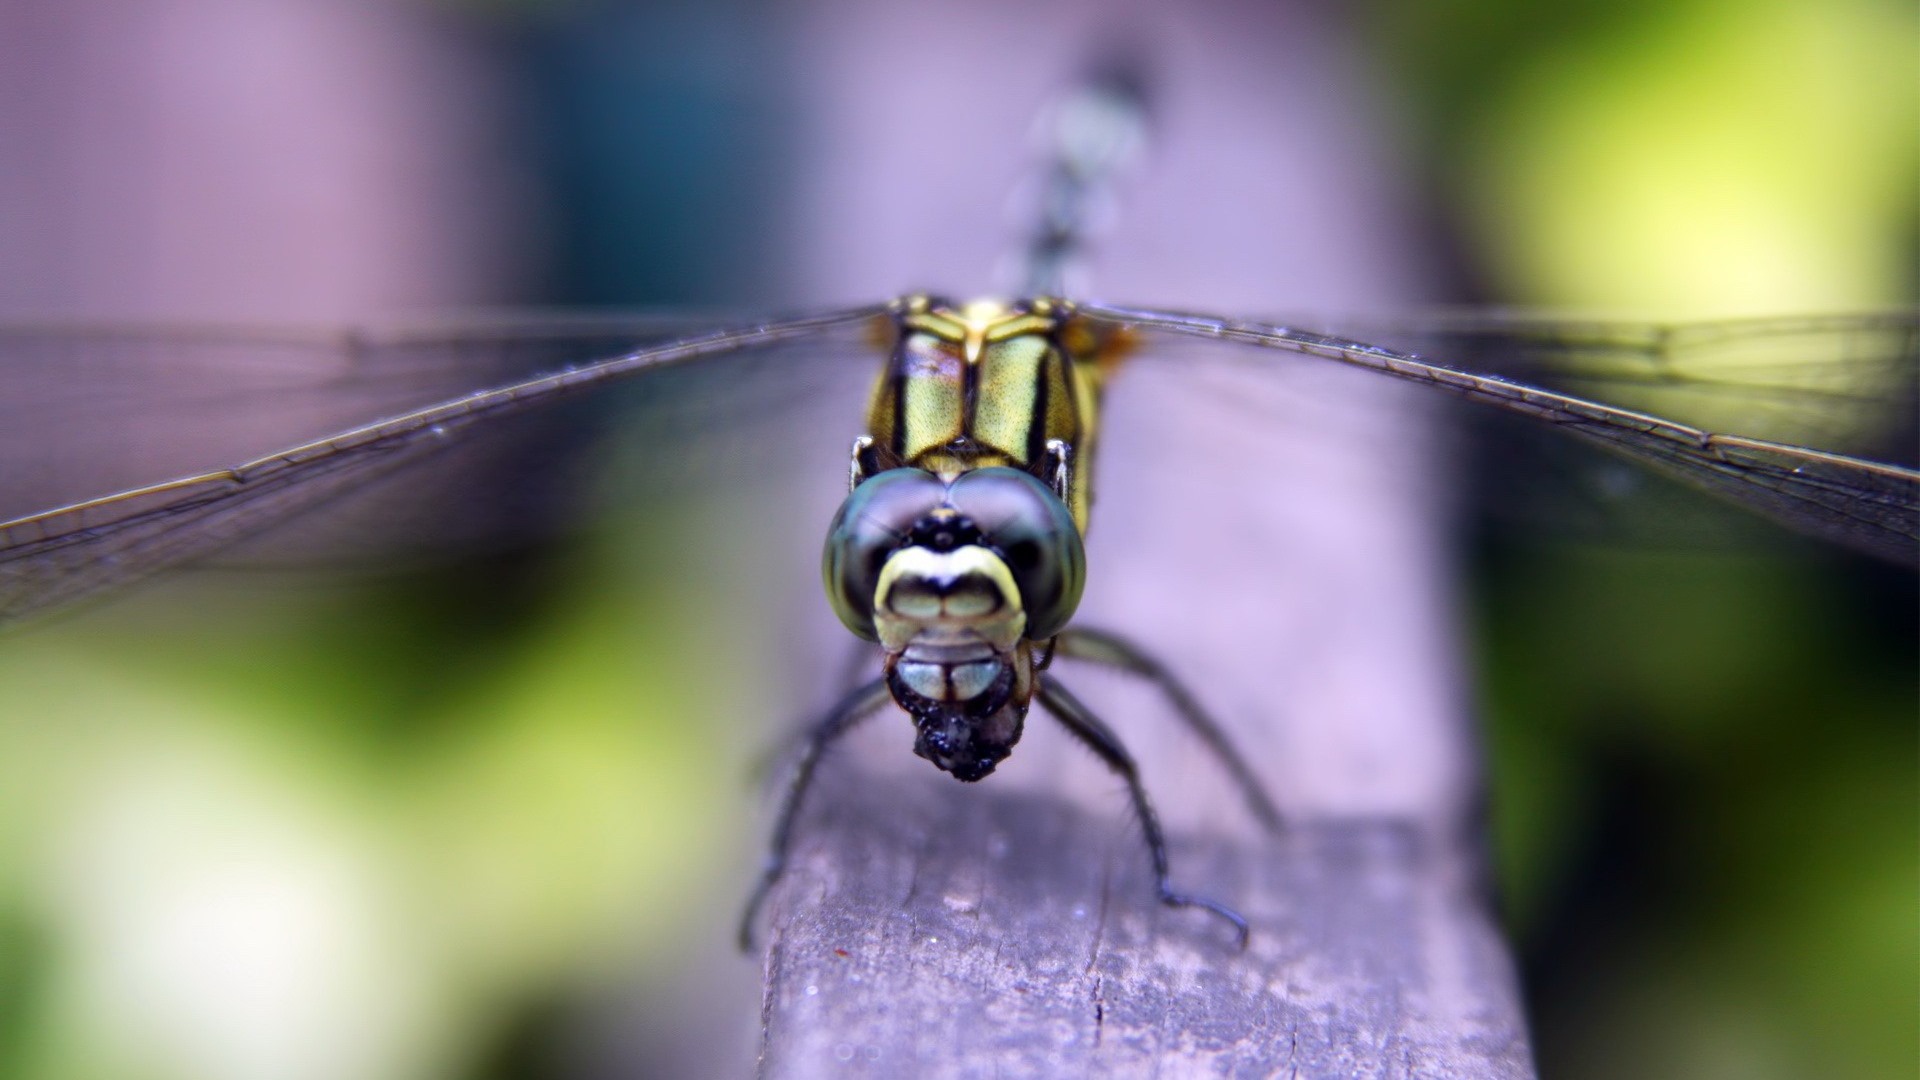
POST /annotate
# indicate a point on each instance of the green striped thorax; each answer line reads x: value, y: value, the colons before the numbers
x: 959, y: 547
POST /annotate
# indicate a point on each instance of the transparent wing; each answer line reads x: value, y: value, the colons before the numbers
x: 1843, y: 383
x: 90, y: 408
x: 687, y: 394
x: 1845, y: 380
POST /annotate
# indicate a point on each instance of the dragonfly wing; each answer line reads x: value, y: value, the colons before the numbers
x: 1866, y: 504
x: 1843, y: 383
x: 91, y: 408
x: 684, y: 390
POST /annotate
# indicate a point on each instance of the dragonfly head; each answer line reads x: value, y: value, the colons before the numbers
x: 992, y: 553
x: 954, y: 579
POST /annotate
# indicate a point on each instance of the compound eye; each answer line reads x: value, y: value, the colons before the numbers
x: 872, y: 524
x: 1021, y: 518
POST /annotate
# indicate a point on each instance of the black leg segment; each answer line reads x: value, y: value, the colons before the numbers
x: 1090, y: 730
x: 850, y: 710
x: 1101, y: 647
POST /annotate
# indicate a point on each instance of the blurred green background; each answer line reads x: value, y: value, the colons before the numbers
x: 1703, y: 768
x: 290, y: 837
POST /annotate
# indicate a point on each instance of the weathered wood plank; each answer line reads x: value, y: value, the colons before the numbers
x: 932, y: 930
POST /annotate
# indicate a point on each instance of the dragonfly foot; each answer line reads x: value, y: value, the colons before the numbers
x: 1239, y: 922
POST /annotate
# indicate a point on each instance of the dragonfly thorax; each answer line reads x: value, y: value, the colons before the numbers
x: 987, y: 384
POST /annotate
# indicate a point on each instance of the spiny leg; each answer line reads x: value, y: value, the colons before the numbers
x: 1090, y: 730
x: 859, y: 657
x: 1101, y: 647
x: 850, y: 710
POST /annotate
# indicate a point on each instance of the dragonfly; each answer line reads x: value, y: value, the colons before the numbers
x: 958, y: 549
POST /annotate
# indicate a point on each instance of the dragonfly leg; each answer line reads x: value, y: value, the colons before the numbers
x: 858, y: 467
x: 850, y: 710
x: 1090, y: 730
x: 851, y: 674
x: 1101, y: 647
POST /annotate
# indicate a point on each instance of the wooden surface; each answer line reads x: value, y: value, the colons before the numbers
x: 933, y: 930
x: 1273, y: 532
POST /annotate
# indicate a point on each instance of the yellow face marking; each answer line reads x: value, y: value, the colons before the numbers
x: 963, y: 594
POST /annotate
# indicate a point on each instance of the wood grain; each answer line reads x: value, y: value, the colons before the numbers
x: 934, y: 930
